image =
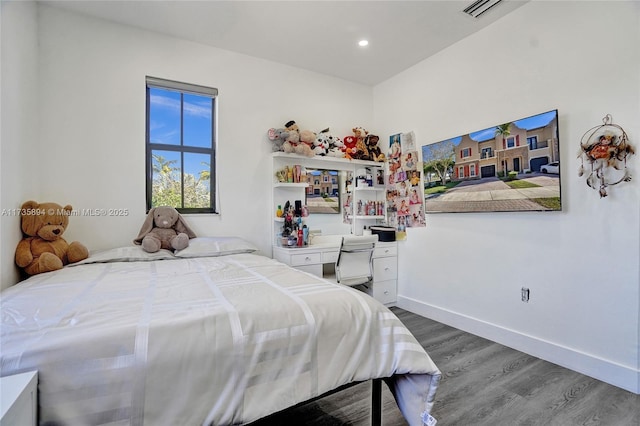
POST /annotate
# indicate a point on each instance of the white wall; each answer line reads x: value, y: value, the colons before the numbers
x: 20, y: 176
x: 581, y: 264
x: 92, y: 123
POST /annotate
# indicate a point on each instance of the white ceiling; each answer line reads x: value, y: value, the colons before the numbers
x: 316, y: 35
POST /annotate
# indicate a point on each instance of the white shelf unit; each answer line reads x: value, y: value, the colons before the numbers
x: 372, y: 209
x: 284, y: 191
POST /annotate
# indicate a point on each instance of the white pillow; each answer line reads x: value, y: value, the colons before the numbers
x: 215, y: 246
x: 125, y: 254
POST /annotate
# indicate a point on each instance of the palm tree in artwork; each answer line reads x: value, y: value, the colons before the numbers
x: 504, y: 130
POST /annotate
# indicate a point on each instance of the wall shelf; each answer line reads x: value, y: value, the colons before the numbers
x: 325, y: 162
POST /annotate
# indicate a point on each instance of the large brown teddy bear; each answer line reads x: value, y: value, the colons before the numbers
x: 43, y: 249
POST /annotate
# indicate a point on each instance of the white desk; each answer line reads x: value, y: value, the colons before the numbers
x: 320, y: 256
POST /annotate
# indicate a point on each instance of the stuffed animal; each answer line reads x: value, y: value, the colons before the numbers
x: 362, y: 152
x: 331, y: 145
x: 375, y: 153
x: 307, y: 137
x: 291, y: 126
x: 164, y: 228
x: 291, y: 142
x: 277, y: 137
x: 350, y: 149
x: 43, y: 249
x: 294, y: 144
x: 336, y: 148
x: 321, y: 144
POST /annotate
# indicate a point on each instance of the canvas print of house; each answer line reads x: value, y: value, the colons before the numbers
x: 513, y: 166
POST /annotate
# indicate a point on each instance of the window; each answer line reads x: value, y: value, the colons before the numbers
x: 180, y: 146
x: 465, y: 153
x: 472, y: 170
x: 486, y: 153
x: 511, y: 142
x: 461, y: 172
x: 533, y: 142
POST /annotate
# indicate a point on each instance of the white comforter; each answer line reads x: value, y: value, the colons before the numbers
x: 215, y: 340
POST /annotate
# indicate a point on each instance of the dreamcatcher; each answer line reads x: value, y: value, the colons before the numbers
x: 605, y: 148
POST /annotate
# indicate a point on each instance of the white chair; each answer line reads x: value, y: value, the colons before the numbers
x: 354, y: 266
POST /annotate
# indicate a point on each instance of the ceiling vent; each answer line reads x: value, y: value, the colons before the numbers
x: 479, y: 7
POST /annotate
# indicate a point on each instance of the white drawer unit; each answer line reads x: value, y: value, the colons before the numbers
x: 385, y: 273
x: 19, y: 399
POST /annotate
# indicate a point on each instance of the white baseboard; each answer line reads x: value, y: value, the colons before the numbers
x: 617, y: 375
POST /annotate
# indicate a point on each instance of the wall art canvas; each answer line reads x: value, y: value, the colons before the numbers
x: 512, y: 166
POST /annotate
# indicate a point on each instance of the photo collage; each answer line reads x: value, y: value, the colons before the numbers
x: 405, y: 191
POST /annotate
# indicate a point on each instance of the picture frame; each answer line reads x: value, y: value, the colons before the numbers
x: 323, y: 192
x: 512, y: 166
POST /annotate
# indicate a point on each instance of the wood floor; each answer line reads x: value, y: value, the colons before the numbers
x: 483, y: 383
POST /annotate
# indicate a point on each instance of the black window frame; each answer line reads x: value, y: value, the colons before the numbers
x: 182, y: 88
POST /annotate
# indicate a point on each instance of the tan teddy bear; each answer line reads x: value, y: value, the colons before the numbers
x: 43, y: 249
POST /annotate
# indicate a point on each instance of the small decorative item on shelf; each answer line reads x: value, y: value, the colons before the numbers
x: 362, y: 152
x: 292, y: 174
x: 298, y: 141
x: 375, y: 153
x: 605, y: 148
x: 294, y: 232
x: 349, y: 149
x: 277, y: 138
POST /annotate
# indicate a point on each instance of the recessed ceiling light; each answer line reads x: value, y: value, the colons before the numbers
x: 363, y: 43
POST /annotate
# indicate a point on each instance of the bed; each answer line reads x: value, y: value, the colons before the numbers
x: 213, y: 334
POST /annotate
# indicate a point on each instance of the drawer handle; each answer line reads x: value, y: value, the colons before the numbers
x: 386, y: 292
x: 307, y: 258
x: 386, y: 269
x: 386, y: 251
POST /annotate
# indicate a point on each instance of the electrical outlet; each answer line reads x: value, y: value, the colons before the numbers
x: 524, y: 293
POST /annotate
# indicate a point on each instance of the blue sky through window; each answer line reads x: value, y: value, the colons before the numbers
x: 164, y: 126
